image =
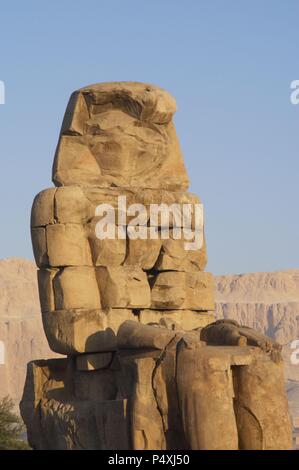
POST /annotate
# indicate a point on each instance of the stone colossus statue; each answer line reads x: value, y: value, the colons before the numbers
x: 146, y: 365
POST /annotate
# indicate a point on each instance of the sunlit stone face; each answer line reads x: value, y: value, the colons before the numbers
x: 115, y: 136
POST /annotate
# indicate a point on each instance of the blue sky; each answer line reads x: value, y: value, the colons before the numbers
x: 229, y: 65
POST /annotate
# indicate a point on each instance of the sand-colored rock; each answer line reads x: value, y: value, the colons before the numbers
x: 132, y: 335
x: 268, y: 302
x: 79, y: 331
x: 185, y: 319
x: 143, y: 253
x: 45, y: 287
x: 72, y: 408
x: 123, y: 287
x: 207, y: 385
x: 269, y: 288
x: 76, y: 115
x: 105, y: 252
x: 261, y: 407
x: 67, y: 245
x: 126, y: 139
x: 39, y: 243
x: 42, y: 212
x: 75, y: 288
x: 72, y: 206
x: 180, y: 290
x: 175, y: 257
x: 146, y: 423
x: 209, y: 399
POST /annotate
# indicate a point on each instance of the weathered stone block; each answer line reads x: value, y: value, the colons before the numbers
x: 168, y: 203
x: 123, y: 287
x: 178, y: 290
x: 68, y: 245
x: 106, y: 252
x: 132, y: 335
x: 39, y: 244
x: 76, y: 115
x: 76, y: 287
x: 98, y: 195
x: 170, y: 208
x: 185, y: 319
x: 65, y: 409
x: 147, y: 431
x: 261, y: 406
x: 209, y: 394
x: 45, y: 287
x: 74, y: 332
x: 143, y: 253
x: 42, y: 212
x: 175, y: 257
x: 72, y: 206
x: 74, y: 163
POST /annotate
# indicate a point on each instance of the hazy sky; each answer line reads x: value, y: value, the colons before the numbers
x: 228, y: 63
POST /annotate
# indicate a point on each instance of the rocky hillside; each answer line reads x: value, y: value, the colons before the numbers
x: 268, y: 302
x: 20, y: 324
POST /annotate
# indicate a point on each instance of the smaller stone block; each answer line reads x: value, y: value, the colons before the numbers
x: 123, y: 287
x: 76, y: 287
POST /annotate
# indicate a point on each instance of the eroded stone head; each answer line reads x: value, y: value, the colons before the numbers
x: 120, y: 134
